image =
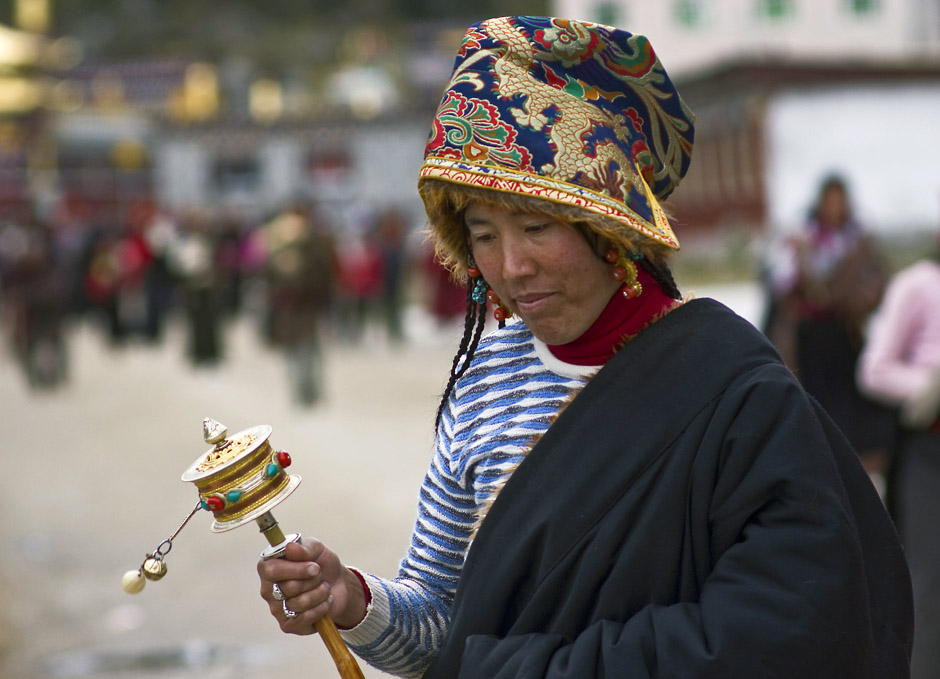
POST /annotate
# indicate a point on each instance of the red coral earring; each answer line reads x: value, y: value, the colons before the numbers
x: 500, y: 313
x: 625, y: 272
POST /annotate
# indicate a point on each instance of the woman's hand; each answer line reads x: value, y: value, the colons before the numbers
x: 314, y: 583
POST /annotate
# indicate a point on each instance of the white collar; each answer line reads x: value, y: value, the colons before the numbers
x: 558, y: 366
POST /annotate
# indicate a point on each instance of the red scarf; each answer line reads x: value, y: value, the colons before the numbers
x: 620, y: 320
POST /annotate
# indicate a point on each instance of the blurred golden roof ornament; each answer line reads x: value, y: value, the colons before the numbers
x: 21, y: 48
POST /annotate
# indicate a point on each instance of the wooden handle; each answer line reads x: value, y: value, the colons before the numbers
x: 345, y: 661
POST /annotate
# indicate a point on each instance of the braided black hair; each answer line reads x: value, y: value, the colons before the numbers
x: 662, y: 274
x: 473, y: 324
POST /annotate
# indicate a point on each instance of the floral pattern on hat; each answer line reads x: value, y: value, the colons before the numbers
x: 571, y: 42
x: 471, y: 129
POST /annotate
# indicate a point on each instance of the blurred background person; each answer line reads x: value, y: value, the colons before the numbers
x: 101, y: 281
x: 392, y: 235
x: 446, y: 300
x: 71, y: 234
x: 900, y: 365
x: 160, y: 233
x: 300, y: 270
x: 194, y: 263
x: 136, y: 260
x: 360, y: 277
x: 231, y: 239
x: 824, y: 282
x: 35, y: 296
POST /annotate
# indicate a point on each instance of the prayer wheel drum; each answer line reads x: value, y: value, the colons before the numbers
x: 242, y: 477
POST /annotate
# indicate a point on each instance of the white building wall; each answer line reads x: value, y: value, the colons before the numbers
x: 884, y: 140
x: 181, y: 174
x: 387, y: 161
x: 280, y: 160
x: 734, y: 28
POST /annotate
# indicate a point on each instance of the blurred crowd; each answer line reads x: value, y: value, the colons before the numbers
x: 301, y: 273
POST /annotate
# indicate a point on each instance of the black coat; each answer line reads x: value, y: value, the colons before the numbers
x: 691, y: 514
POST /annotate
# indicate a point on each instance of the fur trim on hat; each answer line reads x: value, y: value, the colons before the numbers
x: 446, y: 202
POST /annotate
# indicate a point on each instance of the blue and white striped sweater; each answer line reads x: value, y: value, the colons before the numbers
x: 504, y: 402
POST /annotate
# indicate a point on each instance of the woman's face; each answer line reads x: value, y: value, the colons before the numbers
x: 543, y: 270
x: 834, y: 207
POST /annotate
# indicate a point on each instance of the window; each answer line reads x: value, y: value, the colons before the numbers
x: 862, y: 6
x: 688, y: 13
x: 236, y: 174
x: 607, y: 13
x: 774, y: 9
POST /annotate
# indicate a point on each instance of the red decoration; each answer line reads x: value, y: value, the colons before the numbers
x: 283, y: 458
x: 215, y: 503
x: 473, y: 272
x: 631, y: 291
x: 619, y: 274
x: 611, y: 256
x: 499, y: 314
x: 492, y: 297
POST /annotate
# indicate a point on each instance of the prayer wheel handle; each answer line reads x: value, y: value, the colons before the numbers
x: 326, y: 628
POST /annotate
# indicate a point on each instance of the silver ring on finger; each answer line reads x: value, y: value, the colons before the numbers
x: 288, y: 612
x: 276, y: 593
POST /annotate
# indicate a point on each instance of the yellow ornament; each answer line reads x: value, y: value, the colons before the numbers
x: 154, y: 569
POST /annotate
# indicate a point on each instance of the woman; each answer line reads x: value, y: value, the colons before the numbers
x: 624, y: 484
x: 824, y: 283
x: 900, y: 365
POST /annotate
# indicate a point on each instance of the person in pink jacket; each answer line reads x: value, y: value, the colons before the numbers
x: 900, y: 365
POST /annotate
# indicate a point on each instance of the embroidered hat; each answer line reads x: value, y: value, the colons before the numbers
x: 568, y: 111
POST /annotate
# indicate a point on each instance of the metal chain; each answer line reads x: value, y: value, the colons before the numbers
x: 164, y: 548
